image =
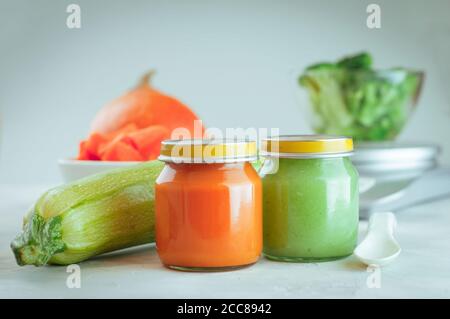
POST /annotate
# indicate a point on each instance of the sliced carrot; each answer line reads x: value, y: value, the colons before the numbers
x: 118, y: 150
x: 112, y: 139
x: 85, y: 154
x: 131, y: 127
x: 148, y: 140
x: 127, y: 144
x: 82, y: 153
x: 94, y: 142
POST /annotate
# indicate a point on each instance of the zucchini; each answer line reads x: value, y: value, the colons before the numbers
x: 91, y: 216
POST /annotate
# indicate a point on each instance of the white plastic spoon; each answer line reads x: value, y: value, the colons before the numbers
x: 379, y: 247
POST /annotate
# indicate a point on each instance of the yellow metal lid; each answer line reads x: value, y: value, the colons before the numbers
x: 307, y: 146
x: 208, y: 151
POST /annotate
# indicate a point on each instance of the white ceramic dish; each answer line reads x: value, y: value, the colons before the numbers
x: 72, y: 169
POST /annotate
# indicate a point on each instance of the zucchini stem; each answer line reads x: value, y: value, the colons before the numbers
x: 39, y: 241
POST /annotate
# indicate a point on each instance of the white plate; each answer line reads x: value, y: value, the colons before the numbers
x: 72, y: 169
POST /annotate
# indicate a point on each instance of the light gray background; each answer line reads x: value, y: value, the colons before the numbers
x: 233, y: 62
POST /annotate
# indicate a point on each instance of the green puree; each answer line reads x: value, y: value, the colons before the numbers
x: 311, y: 209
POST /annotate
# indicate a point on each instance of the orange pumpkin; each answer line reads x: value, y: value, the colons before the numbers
x: 132, y: 127
x: 144, y: 106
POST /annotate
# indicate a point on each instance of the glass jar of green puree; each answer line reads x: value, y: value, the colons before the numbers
x: 310, y: 198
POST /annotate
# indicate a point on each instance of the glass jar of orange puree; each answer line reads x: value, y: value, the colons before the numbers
x: 208, y: 205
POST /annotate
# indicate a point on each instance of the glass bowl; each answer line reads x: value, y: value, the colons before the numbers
x: 368, y: 105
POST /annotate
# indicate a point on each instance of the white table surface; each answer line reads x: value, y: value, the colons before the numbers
x: 422, y: 270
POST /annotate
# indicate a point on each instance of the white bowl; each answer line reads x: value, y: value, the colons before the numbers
x: 72, y: 169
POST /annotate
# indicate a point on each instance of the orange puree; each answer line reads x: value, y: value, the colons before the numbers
x: 208, y: 215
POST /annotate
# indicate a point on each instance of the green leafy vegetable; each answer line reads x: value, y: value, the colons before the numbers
x: 350, y: 98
